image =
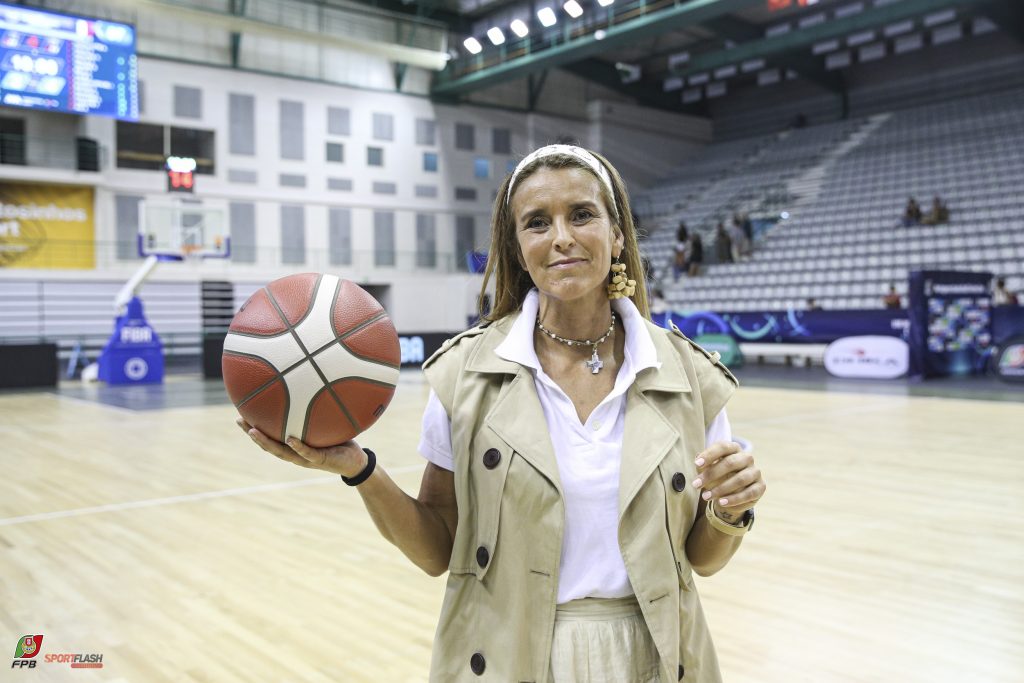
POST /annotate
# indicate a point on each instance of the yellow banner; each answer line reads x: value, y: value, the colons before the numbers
x: 47, y: 226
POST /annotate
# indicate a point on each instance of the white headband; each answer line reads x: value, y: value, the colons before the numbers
x: 583, y: 155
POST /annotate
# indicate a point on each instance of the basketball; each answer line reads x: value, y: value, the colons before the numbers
x: 311, y: 356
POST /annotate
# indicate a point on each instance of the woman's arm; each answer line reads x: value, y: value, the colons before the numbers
x: 423, y: 528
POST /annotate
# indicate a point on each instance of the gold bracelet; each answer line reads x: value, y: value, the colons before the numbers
x: 731, y: 529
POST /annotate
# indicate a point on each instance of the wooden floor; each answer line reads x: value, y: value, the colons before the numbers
x: 890, y: 546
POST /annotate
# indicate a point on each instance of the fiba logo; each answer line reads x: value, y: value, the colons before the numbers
x: 136, y: 335
x: 28, y: 647
x: 135, y: 368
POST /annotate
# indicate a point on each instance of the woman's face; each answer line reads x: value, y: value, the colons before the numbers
x: 567, y: 237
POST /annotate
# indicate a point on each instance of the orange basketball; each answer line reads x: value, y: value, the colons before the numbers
x: 311, y: 356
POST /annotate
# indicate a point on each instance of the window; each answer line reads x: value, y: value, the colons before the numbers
x: 292, y: 180
x: 374, y: 156
x: 426, y: 240
x: 466, y: 193
x: 383, y: 127
x: 126, y: 220
x: 337, y: 121
x: 482, y: 168
x: 501, y: 139
x: 140, y: 145
x: 426, y: 132
x: 430, y: 162
x: 465, y: 136
x: 384, y: 188
x: 426, y: 191
x: 292, y: 127
x: 465, y: 240
x: 144, y: 146
x: 339, y: 184
x: 339, y: 236
x: 197, y: 144
x: 293, y: 234
x: 241, y: 124
x: 242, y: 176
x: 243, y: 231
x: 383, y: 238
x: 188, y: 102
x: 335, y: 152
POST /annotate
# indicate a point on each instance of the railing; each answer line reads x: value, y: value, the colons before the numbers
x: 18, y: 254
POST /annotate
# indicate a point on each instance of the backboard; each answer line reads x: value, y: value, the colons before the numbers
x: 176, y: 230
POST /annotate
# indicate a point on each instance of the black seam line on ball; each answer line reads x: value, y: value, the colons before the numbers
x: 309, y: 409
x: 338, y: 340
x: 277, y: 375
x: 358, y: 328
x: 309, y: 357
x: 316, y: 288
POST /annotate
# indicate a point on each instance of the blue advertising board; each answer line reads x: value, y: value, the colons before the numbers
x: 950, y: 323
x: 63, y: 62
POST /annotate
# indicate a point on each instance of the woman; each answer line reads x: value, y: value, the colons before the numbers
x: 580, y: 464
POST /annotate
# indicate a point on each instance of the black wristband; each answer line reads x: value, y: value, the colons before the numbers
x: 371, y: 464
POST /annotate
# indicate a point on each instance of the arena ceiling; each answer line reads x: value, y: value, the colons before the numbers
x: 670, y: 54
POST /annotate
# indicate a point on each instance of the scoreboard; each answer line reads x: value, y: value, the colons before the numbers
x: 61, y: 62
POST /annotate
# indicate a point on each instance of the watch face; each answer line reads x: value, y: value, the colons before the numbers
x: 748, y: 519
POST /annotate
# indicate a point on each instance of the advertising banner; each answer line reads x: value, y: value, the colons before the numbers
x: 46, y: 226
x: 868, y: 356
x: 950, y: 323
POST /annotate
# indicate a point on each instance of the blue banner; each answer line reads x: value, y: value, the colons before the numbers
x: 790, y: 326
x: 950, y: 323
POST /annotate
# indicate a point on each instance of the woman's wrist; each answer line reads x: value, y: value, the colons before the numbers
x: 366, y: 468
x: 728, y: 516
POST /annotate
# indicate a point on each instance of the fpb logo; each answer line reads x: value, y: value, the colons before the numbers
x: 28, y: 647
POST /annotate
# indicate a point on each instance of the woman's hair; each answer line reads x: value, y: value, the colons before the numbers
x: 512, y: 281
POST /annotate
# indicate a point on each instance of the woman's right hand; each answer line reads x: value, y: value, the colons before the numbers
x: 346, y: 459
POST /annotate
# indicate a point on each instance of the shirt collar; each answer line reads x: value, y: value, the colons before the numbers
x: 518, y: 344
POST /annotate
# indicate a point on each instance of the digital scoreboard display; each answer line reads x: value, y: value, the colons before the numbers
x: 61, y: 62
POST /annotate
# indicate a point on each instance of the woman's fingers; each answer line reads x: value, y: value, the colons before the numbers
x: 712, y: 472
x: 742, y: 500
x: 276, y: 448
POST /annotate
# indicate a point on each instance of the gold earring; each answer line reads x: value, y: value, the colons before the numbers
x: 620, y: 286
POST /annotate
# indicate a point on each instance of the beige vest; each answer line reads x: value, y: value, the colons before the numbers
x: 497, y: 619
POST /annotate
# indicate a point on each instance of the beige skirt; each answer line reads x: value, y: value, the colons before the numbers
x: 602, y: 640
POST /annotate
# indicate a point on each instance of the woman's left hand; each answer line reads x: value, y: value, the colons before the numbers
x: 727, y: 474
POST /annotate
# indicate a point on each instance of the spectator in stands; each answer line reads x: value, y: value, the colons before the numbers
x: 741, y: 245
x: 748, y: 227
x: 696, y: 255
x: 813, y: 305
x: 680, y: 251
x: 1002, y: 296
x: 938, y: 214
x: 658, y: 303
x: 911, y: 214
x: 892, y: 299
x: 723, y: 245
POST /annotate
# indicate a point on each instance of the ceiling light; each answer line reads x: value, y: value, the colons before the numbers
x: 573, y: 9
x: 547, y: 16
x: 519, y: 28
x: 473, y: 45
x: 605, y: 3
x: 496, y: 36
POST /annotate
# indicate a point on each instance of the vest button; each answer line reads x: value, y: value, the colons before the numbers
x: 482, y: 557
x: 477, y: 663
x: 681, y: 672
x: 679, y: 482
x: 491, y: 458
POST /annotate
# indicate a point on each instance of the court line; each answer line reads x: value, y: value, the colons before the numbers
x: 188, y: 498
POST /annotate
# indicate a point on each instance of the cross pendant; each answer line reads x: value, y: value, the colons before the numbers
x: 594, y: 363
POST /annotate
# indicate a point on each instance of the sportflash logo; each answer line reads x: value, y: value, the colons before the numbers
x: 29, y: 646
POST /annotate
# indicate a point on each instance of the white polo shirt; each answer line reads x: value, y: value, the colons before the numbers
x: 588, y: 454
